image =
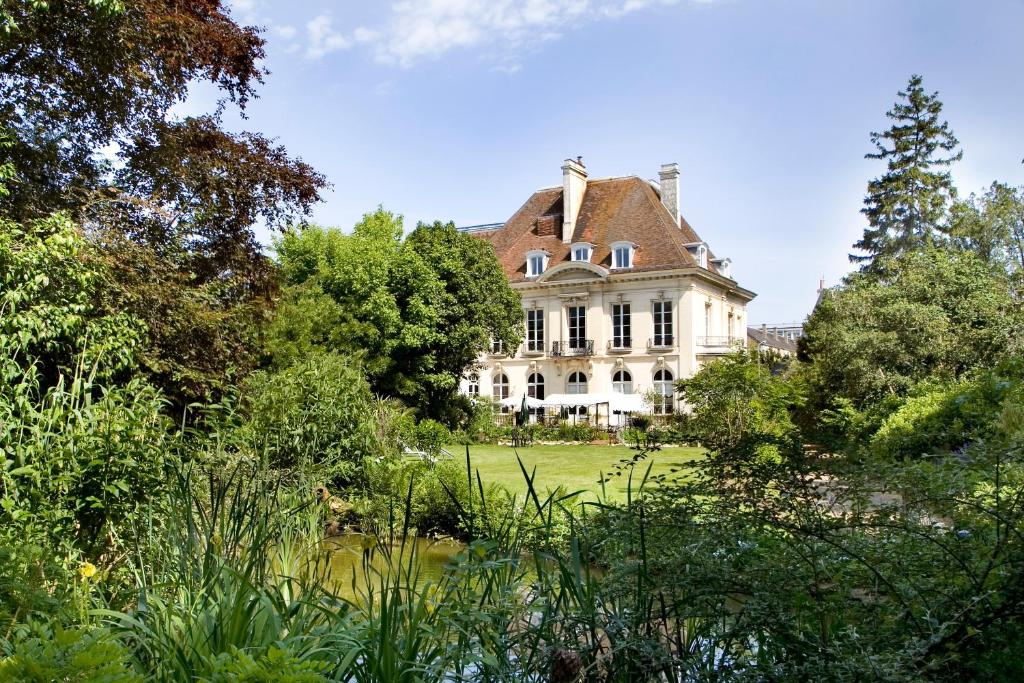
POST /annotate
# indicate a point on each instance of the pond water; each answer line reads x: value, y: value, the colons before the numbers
x: 347, y: 553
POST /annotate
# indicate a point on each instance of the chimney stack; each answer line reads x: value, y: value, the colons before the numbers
x: 670, y: 189
x: 574, y: 184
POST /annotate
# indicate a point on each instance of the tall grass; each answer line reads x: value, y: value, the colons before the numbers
x: 240, y: 575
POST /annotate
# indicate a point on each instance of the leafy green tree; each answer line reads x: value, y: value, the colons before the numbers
x: 992, y: 226
x: 937, y: 315
x: 739, y: 408
x: 171, y: 203
x: 906, y: 207
x: 418, y: 311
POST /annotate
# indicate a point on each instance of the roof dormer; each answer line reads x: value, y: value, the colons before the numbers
x: 622, y: 254
x: 724, y: 266
x: 581, y: 251
x: 699, y: 251
x: 536, y: 262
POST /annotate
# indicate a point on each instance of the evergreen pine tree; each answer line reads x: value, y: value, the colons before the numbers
x: 906, y: 207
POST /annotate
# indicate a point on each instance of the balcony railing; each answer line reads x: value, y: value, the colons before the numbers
x: 578, y: 347
x: 620, y: 344
x: 665, y: 341
x: 718, y: 342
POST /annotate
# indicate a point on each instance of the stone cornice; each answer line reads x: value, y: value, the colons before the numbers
x: 729, y: 286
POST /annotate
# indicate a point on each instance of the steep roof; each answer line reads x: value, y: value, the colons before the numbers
x: 613, y: 209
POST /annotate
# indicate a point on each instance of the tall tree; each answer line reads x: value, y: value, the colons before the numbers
x: 906, y: 206
x: 86, y: 90
x: 419, y: 310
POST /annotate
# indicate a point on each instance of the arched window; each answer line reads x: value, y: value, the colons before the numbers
x: 577, y: 383
x: 664, y: 392
x: 535, y: 386
x: 473, y: 389
x: 622, y: 382
x: 500, y: 387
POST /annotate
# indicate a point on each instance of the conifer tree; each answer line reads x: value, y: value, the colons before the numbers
x: 906, y: 207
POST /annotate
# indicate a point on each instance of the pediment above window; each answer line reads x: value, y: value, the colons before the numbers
x: 574, y: 270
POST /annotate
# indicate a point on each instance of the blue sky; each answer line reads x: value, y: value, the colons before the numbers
x: 459, y: 109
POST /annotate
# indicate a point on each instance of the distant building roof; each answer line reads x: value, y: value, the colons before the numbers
x: 772, y: 339
x: 483, y: 227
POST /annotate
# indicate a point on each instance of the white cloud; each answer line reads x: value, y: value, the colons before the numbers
x: 323, y: 39
x: 287, y: 31
x: 418, y: 30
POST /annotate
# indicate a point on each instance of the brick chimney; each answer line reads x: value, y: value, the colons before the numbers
x: 670, y: 189
x: 574, y: 184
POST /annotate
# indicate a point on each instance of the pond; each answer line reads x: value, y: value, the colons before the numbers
x: 432, y: 557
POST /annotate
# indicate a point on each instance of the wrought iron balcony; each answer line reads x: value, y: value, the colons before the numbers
x: 620, y: 345
x: 718, y: 342
x: 576, y: 347
x: 665, y: 341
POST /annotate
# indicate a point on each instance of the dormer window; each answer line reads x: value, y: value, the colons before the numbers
x: 536, y: 262
x: 622, y: 254
x: 581, y: 251
x: 699, y: 251
x: 724, y: 266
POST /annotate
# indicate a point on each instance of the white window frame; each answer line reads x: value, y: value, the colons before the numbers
x: 665, y: 390
x: 535, y: 386
x: 618, y: 248
x: 473, y: 386
x: 581, y: 251
x: 534, y: 258
x: 622, y: 325
x: 662, y: 330
x: 572, y: 387
x: 622, y: 381
x: 500, y: 387
x: 535, y: 333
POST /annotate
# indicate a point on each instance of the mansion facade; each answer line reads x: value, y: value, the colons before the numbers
x: 621, y: 297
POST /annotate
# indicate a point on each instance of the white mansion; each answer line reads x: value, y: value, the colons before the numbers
x: 622, y: 298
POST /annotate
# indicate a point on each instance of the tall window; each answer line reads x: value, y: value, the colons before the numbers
x: 664, y: 392
x: 535, y: 386
x: 500, y: 387
x: 535, y: 330
x: 662, y: 323
x: 497, y: 347
x: 707, y: 320
x: 729, y: 330
x: 621, y: 327
x: 622, y: 382
x: 474, y: 385
x: 577, y: 383
x: 577, y: 327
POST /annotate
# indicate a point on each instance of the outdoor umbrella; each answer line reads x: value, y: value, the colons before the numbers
x: 524, y: 413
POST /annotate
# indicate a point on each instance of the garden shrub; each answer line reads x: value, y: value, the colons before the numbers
x: 275, y: 666
x: 80, y: 655
x: 945, y: 417
x: 313, y: 417
x: 432, y: 436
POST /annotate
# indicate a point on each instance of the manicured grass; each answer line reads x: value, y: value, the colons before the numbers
x: 576, y: 468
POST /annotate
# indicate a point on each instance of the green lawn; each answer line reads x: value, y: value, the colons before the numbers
x: 576, y: 468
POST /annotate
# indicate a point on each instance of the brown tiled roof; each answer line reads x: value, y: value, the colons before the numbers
x: 613, y: 210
